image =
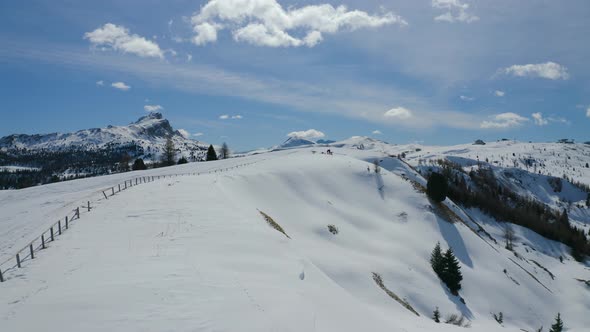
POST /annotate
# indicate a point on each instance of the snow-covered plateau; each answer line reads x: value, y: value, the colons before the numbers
x: 295, y: 239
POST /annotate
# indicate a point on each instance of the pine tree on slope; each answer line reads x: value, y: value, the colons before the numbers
x: 211, y: 155
x: 436, y: 260
x: 436, y: 315
x: 452, y: 272
x: 558, y: 325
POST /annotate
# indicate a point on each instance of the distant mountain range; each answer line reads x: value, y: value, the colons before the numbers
x: 149, y: 133
x: 57, y: 156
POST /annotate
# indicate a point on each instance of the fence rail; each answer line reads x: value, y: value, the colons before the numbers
x: 41, y: 242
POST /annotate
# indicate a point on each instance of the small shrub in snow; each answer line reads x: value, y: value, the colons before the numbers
x: 436, y: 315
x: 333, y: 229
x: 376, y: 166
x: 458, y: 320
x: 509, y: 237
x: 499, y: 318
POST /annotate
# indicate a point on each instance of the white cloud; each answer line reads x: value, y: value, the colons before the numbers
x: 189, y: 57
x: 267, y: 23
x: 399, y: 112
x: 100, y: 83
x: 504, y: 120
x: 206, y: 33
x: 539, y: 120
x: 377, y: 132
x: 307, y: 134
x: 465, y: 98
x: 116, y: 37
x: 152, y: 108
x: 499, y: 93
x: 227, y: 116
x: 549, y: 70
x: 456, y: 11
x: 184, y: 133
x: 198, y: 134
x: 588, y: 112
x: 121, y: 86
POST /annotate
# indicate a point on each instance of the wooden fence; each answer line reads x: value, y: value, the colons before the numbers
x: 28, y: 252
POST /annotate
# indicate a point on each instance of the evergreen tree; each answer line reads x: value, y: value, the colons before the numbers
x: 558, y: 325
x: 564, y: 218
x: 182, y: 160
x: 211, y: 154
x: 451, y: 275
x: 436, y: 315
x: 168, y: 157
x: 437, y: 187
x: 138, y: 165
x: 224, y: 153
x: 436, y: 260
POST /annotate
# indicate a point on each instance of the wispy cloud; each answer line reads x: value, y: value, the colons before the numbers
x: 152, y: 108
x: 588, y: 112
x: 198, y: 134
x: 549, y: 70
x: 539, y: 120
x: 456, y: 11
x: 120, y: 86
x: 504, y: 120
x: 499, y: 93
x: 100, y: 83
x: 349, y: 99
x: 184, y: 133
x: 267, y: 23
x: 466, y: 98
x: 118, y: 38
x: 227, y: 116
x: 307, y: 134
x: 398, y: 113
x: 377, y: 132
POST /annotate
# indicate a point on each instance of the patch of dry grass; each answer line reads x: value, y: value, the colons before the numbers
x: 379, y: 281
x: 273, y: 223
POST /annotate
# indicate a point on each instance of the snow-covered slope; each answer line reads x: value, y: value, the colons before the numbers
x: 194, y: 253
x: 149, y: 133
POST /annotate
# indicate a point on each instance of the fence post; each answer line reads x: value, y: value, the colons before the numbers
x: 67, y: 222
x: 113, y: 191
x: 105, y: 196
x: 125, y: 184
x: 42, y: 241
x: 78, y: 212
x: 89, y: 205
x: 18, y: 260
x: 119, y: 187
x: 59, y: 227
x: 1, y: 277
x: 32, y: 251
x: 52, y: 238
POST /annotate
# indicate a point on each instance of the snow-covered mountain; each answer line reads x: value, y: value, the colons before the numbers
x: 294, y: 142
x: 196, y: 253
x: 149, y: 133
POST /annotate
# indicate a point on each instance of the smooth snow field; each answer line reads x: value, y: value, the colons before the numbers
x: 194, y: 253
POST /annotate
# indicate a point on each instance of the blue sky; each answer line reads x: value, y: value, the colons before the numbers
x: 430, y: 71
